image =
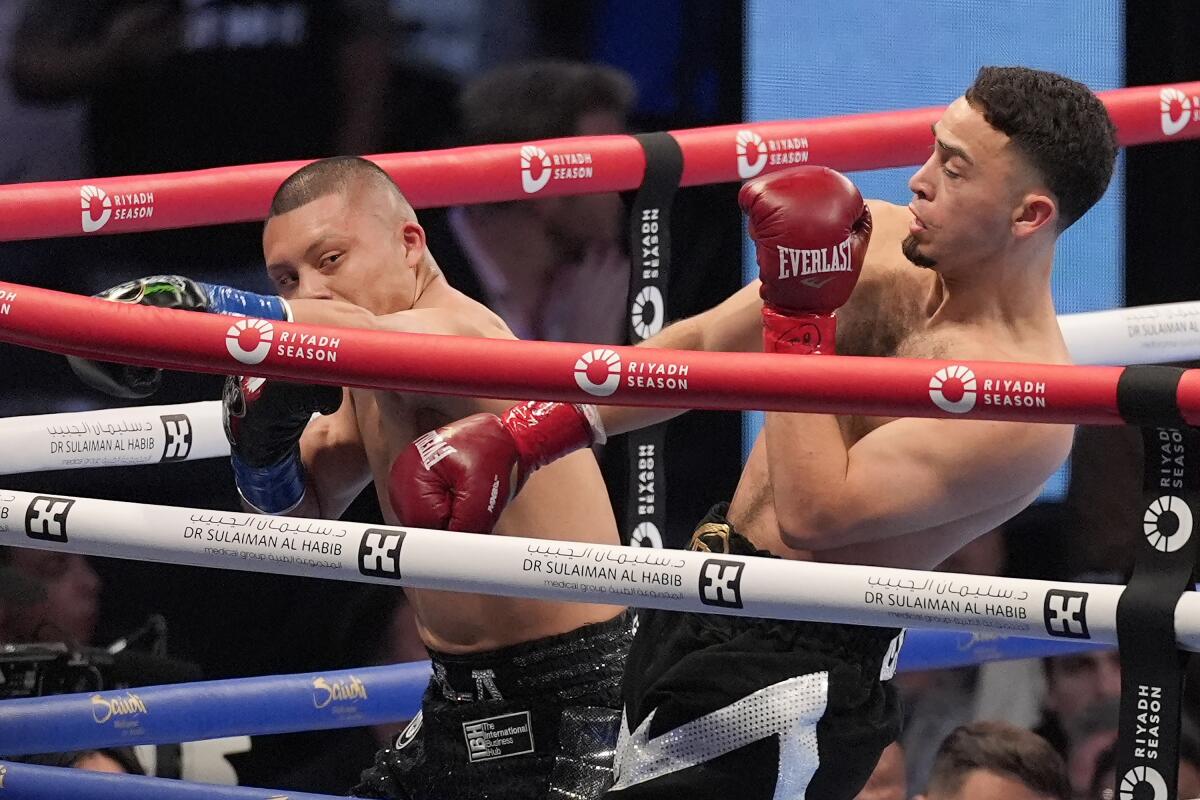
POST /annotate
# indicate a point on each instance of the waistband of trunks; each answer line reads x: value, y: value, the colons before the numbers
x: 716, y: 534
x: 586, y: 661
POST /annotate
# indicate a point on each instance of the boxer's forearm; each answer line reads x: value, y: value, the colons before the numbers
x: 808, y: 461
x: 733, y: 326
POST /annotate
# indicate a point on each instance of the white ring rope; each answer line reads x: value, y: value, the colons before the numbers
x: 1158, y: 334
x: 191, y: 431
x: 644, y: 577
x: 112, y: 437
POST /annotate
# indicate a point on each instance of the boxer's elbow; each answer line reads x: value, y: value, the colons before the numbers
x: 811, y: 525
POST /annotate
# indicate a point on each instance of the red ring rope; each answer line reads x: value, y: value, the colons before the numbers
x: 495, y: 172
x: 76, y: 325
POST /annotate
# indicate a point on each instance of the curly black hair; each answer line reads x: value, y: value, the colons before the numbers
x: 1058, y: 124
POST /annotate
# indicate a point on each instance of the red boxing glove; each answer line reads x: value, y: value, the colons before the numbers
x: 461, y: 476
x: 810, y: 228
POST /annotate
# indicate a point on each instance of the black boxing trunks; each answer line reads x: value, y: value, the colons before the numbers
x: 535, y: 720
x: 721, y: 706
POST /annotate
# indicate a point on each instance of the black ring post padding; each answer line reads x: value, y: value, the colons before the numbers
x: 1152, y: 665
x: 664, y: 163
x: 1147, y: 395
x: 645, y: 518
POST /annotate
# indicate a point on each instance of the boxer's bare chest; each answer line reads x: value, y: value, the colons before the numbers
x: 885, y: 317
x: 387, y: 422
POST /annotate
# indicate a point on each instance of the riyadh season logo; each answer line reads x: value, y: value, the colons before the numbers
x: 532, y: 155
x: 97, y: 207
x: 598, y: 372
x: 755, y: 153
x: 1167, y: 524
x: 647, y: 312
x: 537, y: 167
x: 952, y: 389
x: 249, y: 340
x: 1177, y: 110
x: 646, y: 535
x: 90, y: 196
x: 751, y: 154
x: 1143, y: 776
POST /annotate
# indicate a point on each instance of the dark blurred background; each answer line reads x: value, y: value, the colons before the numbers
x: 114, y: 87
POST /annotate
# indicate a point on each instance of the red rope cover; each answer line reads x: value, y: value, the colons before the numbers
x: 493, y: 173
x: 72, y: 324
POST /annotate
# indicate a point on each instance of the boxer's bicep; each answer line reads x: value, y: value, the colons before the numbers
x: 914, y: 475
x: 335, y: 462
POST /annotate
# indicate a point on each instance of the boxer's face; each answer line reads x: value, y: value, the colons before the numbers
x: 968, y: 195
x: 357, y: 246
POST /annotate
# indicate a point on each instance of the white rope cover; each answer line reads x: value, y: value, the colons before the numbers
x: 501, y: 565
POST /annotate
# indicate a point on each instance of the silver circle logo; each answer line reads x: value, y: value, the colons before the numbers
x: 646, y: 535
x: 937, y: 384
x: 1143, y: 775
x: 1167, y: 523
x: 647, y: 313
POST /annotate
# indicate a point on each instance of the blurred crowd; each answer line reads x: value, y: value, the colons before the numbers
x: 94, y: 88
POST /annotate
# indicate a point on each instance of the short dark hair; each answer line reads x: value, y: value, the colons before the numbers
x: 325, y: 177
x: 1058, y: 124
x: 541, y: 99
x: 1001, y: 748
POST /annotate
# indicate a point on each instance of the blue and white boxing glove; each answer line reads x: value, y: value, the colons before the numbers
x: 263, y: 423
x: 170, y: 291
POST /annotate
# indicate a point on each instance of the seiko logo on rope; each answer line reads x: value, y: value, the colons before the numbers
x: 799, y: 263
x: 325, y: 691
x: 98, y: 207
x: 6, y: 301
x: 754, y: 153
x: 250, y: 340
x: 1167, y: 523
x: 537, y: 168
x: 46, y: 518
x: 105, y: 708
x: 599, y: 372
x: 1177, y: 110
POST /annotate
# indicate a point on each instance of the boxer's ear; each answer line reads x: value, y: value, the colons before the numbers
x: 1038, y: 211
x: 412, y: 236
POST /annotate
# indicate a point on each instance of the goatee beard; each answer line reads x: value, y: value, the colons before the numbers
x: 912, y: 252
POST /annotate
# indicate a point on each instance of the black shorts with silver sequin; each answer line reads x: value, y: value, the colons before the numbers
x: 535, y: 720
x: 721, y: 706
